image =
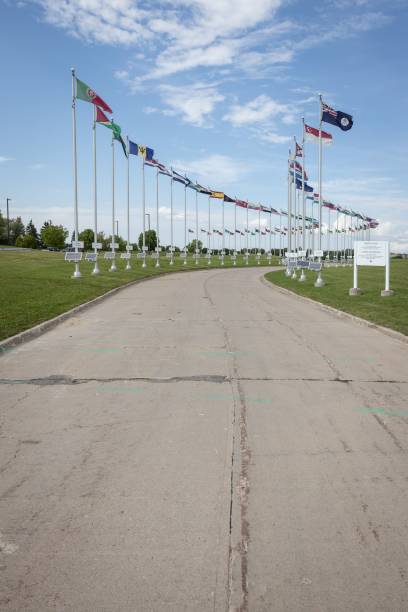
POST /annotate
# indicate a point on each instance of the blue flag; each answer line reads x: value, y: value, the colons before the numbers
x: 307, y: 187
x: 338, y: 118
x: 142, y: 150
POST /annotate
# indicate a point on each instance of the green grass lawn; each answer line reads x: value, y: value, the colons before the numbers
x: 36, y: 285
x: 387, y: 311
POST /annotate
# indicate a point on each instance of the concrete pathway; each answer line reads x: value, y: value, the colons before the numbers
x: 204, y: 442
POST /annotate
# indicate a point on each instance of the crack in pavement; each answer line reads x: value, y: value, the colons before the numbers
x: 62, y: 379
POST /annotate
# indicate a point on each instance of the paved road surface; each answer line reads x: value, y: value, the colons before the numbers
x: 204, y: 442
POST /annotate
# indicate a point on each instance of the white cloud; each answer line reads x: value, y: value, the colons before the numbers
x: 259, y: 110
x: 218, y: 169
x: 193, y: 103
x: 37, y: 166
x: 5, y: 159
x: 274, y: 138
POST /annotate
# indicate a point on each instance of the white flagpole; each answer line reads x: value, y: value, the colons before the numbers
x: 319, y: 281
x: 157, y: 220
x: 259, y: 234
x: 77, y: 272
x: 302, y: 277
x: 235, y: 234
x: 280, y: 234
x: 303, y: 187
x: 328, y: 237
x: 95, y: 194
x: 113, y: 265
x: 223, y: 233
x: 209, y: 231
x: 144, y: 213
x: 270, y: 236
x: 171, y: 217
x: 128, y: 266
x: 247, y: 235
x: 337, y: 237
x: 196, y: 211
x: 185, y: 225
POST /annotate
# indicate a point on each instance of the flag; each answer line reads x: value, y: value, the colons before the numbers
x: 142, y: 150
x: 228, y: 199
x: 190, y: 231
x: 329, y: 205
x: 179, y: 178
x: 87, y: 94
x: 241, y: 203
x: 343, y: 120
x: 219, y: 195
x: 306, y: 186
x: 253, y: 206
x: 299, y: 150
x: 116, y: 129
x: 312, y: 134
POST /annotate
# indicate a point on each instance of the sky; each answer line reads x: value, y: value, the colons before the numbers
x: 217, y: 88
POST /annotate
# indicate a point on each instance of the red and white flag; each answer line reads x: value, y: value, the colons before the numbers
x: 299, y: 150
x: 312, y: 134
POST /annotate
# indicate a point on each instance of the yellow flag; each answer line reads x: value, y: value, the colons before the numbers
x: 217, y: 194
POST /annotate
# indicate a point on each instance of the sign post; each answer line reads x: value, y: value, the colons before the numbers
x: 371, y: 253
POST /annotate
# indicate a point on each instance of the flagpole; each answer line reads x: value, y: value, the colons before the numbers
x: 209, y: 232
x: 235, y: 234
x: 319, y: 281
x: 328, y: 237
x: 157, y: 220
x: 128, y: 266
x: 270, y: 236
x: 171, y: 217
x: 143, y: 214
x: 96, y: 268
x: 259, y: 234
x: 223, y: 233
x: 185, y: 225
x: 280, y: 234
x: 196, y: 211
x: 113, y: 265
x: 247, y: 234
x: 77, y: 273
x: 337, y: 237
x: 302, y: 277
x: 303, y: 186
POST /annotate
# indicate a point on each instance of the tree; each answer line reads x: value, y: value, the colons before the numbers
x: 3, y: 232
x: 87, y: 235
x: 16, y: 229
x: 150, y: 240
x: 191, y: 247
x: 31, y: 231
x: 54, y: 236
x: 27, y: 242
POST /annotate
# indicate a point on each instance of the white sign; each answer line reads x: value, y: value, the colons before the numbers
x: 292, y: 255
x: 197, y: 251
x: 125, y: 255
x: 129, y: 247
x: 140, y: 255
x: 318, y: 254
x: 302, y: 253
x: 97, y: 245
x: 158, y: 249
x: 114, y: 245
x: 78, y: 244
x: 145, y: 248
x: 375, y: 253
x: 371, y: 253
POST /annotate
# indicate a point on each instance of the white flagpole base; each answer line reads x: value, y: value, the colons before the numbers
x: 319, y: 281
x: 288, y: 272
x: 185, y: 262
x: 354, y: 291
x: 294, y: 275
x: 302, y: 277
x: 128, y: 266
x: 95, y: 270
x: 77, y: 273
x: 157, y: 264
x: 387, y: 292
x: 170, y: 262
x: 113, y: 267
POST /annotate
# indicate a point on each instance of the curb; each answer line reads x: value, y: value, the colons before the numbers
x: 339, y: 313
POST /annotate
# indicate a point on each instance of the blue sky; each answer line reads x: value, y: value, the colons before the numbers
x: 217, y: 88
